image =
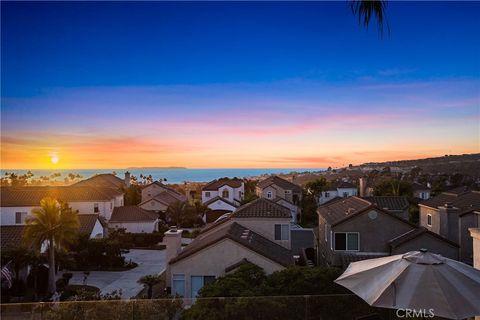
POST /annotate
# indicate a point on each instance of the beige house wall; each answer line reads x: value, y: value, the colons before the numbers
x: 424, y: 211
x: 213, y: 261
x: 154, y: 205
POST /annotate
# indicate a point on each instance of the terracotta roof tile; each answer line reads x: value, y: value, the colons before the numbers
x: 215, y: 184
x: 87, y: 222
x: 132, y: 214
x: 11, y: 236
x: 262, y: 208
x: 104, y: 180
x: 282, y: 183
x: 31, y: 196
x: 389, y: 203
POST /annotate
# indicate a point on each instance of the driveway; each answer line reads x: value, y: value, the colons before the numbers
x: 149, y: 262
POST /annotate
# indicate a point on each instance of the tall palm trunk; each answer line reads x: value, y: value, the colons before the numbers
x: 51, y: 270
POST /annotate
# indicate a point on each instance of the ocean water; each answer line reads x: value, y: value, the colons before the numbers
x: 172, y: 175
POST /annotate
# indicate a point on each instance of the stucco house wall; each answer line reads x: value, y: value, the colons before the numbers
x: 424, y: 212
x: 375, y: 230
x: 97, y: 231
x: 208, y: 194
x: 135, y: 227
x: 221, y: 205
x: 213, y: 261
x: 294, y: 210
x: 154, y: 205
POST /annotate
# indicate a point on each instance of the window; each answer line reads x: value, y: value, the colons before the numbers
x: 282, y: 231
x: 327, y: 194
x: 288, y: 191
x: 95, y: 208
x: 429, y: 220
x: 347, y: 241
x: 207, y: 194
x: 20, y: 217
x: 345, y: 194
x: 269, y: 194
x: 121, y: 203
x: 111, y: 205
x: 326, y: 233
x: 197, y: 283
x: 225, y: 193
x: 178, y: 285
x: 241, y: 194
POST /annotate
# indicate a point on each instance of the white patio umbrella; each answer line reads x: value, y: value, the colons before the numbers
x: 416, y: 280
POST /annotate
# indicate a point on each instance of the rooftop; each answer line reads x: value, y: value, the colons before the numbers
x: 31, y: 196
x: 215, y: 184
x: 465, y: 201
x: 104, y: 180
x: 262, y: 208
x: 282, y: 183
x: 242, y: 236
x: 132, y: 214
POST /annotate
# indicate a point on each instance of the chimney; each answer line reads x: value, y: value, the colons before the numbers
x: 127, y: 179
x: 173, y: 242
x: 449, y: 221
x: 362, y: 186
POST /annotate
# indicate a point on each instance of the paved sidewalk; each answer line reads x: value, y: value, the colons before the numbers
x: 149, y: 262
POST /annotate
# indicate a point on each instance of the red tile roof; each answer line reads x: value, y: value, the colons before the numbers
x: 216, y: 184
x: 282, y: 183
x: 262, y: 208
x: 11, y: 236
x: 104, y: 180
x: 132, y: 214
x: 87, y: 222
x: 31, y: 196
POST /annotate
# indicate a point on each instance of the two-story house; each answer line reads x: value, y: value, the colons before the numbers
x: 420, y: 191
x: 337, y: 189
x: 257, y: 232
x: 223, y: 194
x: 353, y: 229
x: 450, y: 214
x: 17, y: 202
x: 157, y: 197
x: 283, y: 192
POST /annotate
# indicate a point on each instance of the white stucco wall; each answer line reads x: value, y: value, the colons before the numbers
x: 105, y: 210
x: 97, y: 231
x: 135, y: 227
x: 221, y: 205
x: 213, y: 261
x: 212, y: 193
x: 234, y: 194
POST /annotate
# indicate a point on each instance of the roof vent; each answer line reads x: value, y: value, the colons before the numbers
x: 350, y: 211
x: 448, y: 205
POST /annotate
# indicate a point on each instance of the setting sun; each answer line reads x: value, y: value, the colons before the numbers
x: 54, y: 158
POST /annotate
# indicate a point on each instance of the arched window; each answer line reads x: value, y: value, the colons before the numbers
x: 225, y: 193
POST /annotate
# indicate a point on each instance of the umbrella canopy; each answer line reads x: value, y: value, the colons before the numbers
x: 417, y: 280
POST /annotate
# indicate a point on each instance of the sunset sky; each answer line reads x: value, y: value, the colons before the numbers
x: 234, y: 85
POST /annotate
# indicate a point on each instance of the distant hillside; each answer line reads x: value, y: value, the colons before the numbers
x: 465, y: 164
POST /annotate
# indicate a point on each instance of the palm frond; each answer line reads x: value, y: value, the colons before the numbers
x: 367, y: 9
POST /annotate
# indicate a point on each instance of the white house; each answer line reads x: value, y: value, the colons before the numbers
x: 337, y: 190
x: 421, y: 191
x: 158, y: 197
x: 92, y: 225
x: 16, y: 203
x: 257, y: 232
x: 134, y: 219
x: 231, y: 191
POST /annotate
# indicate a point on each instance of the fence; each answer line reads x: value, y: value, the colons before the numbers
x: 324, y: 307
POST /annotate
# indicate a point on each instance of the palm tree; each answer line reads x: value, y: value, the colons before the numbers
x: 366, y: 9
x: 149, y: 281
x: 55, y: 224
x: 175, y: 212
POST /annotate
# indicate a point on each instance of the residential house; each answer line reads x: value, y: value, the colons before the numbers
x: 105, y: 180
x: 353, y: 229
x: 450, y: 214
x: 93, y: 225
x: 337, y: 189
x: 134, y: 219
x: 16, y: 203
x: 283, y: 192
x: 397, y: 205
x: 158, y: 197
x: 420, y: 191
x: 257, y: 232
x: 223, y: 194
x: 475, y: 234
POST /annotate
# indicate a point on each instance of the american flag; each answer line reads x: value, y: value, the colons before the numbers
x: 7, y: 274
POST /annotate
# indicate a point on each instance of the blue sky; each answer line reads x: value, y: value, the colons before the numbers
x: 156, y: 69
